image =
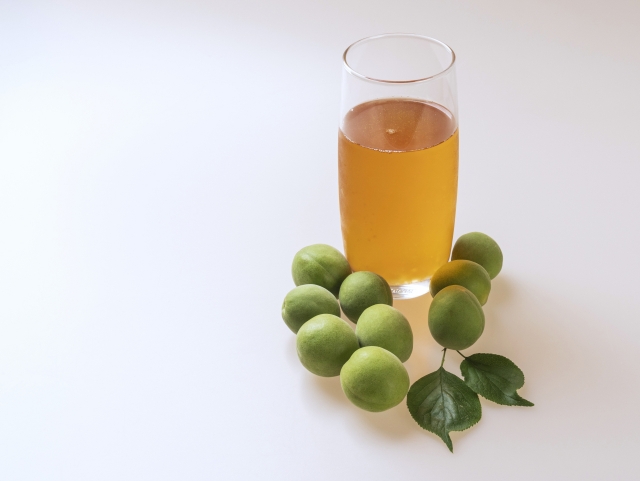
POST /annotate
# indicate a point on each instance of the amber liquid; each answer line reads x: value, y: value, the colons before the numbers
x: 398, y: 164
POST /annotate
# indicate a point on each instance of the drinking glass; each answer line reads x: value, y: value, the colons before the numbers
x: 398, y: 158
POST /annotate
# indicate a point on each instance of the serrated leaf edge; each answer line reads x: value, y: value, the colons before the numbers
x: 504, y: 357
x: 448, y: 441
x: 524, y: 379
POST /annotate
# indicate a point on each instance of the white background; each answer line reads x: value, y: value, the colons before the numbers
x: 160, y: 164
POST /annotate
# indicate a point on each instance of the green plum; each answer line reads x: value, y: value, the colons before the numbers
x: 361, y: 290
x: 307, y: 301
x: 324, y: 343
x: 384, y: 326
x: 322, y: 265
x: 374, y: 379
x: 462, y: 273
x: 456, y: 320
x: 480, y: 248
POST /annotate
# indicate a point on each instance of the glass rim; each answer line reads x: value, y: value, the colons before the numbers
x: 352, y: 71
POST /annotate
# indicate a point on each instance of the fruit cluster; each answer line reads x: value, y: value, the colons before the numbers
x: 460, y: 288
x: 370, y: 360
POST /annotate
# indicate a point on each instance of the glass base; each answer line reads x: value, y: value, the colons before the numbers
x: 409, y: 291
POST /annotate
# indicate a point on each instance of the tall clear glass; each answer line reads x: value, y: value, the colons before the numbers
x: 398, y: 158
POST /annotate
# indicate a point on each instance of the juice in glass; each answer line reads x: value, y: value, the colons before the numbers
x: 398, y: 173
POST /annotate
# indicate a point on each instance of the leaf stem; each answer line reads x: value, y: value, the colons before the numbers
x: 461, y: 354
x: 444, y: 353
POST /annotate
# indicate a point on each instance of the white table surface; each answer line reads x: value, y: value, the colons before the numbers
x: 160, y: 164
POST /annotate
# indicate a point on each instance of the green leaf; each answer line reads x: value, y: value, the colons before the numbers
x: 441, y: 402
x: 495, y: 378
